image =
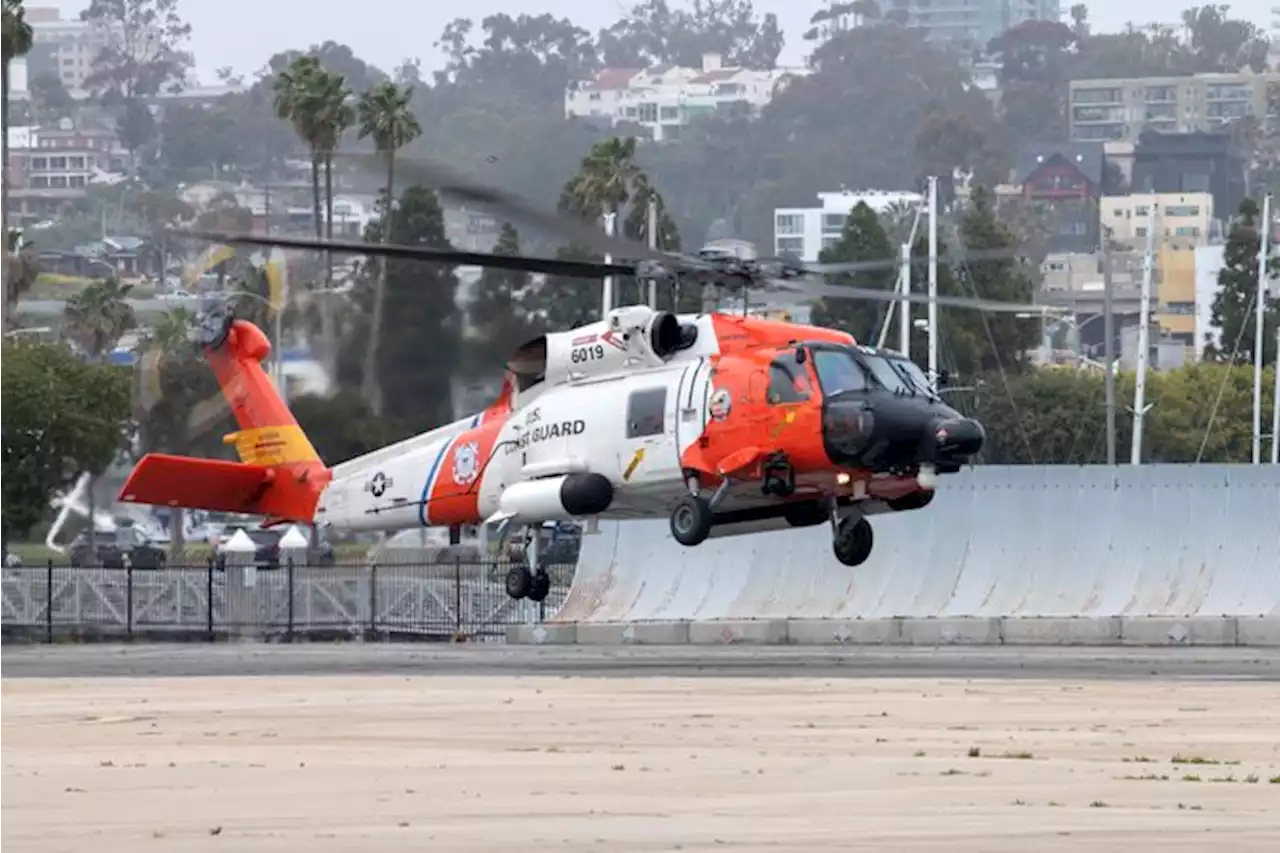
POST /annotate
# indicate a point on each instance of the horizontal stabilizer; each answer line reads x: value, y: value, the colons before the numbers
x: 287, y: 492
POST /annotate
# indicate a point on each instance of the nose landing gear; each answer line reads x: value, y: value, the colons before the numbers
x: 851, y: 539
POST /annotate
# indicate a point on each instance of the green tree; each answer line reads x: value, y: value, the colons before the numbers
x: 419, y: 353
x: 499, y: 320
x: 862, y: 239
x: 141, y: 55
x: 1234, y: 305
x: 98, y: 316
x: 609, y: 181
x: 385, y: 114
x: 1006, y: 337
x: 17, y: 42
x: 176, y: 394
x: 342, y: 426
x: 50, y: 100
x: 299, y: 93
x: 62, y: 416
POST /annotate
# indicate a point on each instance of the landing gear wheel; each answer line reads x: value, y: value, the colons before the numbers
x: 541, y: 586
x: 520, y: 582
x: 853, y: 540
x: 691, y: 520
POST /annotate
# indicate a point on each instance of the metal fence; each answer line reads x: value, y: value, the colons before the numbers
x: 439, y: 601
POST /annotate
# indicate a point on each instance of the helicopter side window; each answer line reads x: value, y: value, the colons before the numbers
x: 646, y: 412
x: 787, y: 383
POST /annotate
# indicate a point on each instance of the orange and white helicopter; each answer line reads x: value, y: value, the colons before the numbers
x: 723, y: 424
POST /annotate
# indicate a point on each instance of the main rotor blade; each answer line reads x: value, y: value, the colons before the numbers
x: 835, y: 291
x: 506, y: 205
x: 549, y: 266
x: 915, y: 260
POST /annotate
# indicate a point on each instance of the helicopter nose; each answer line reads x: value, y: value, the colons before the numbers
x: 959, y: 437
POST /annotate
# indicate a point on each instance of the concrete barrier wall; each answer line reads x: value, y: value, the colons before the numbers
x: 1169, y: 553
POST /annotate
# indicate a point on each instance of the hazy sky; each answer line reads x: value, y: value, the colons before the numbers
x: 243, y: 34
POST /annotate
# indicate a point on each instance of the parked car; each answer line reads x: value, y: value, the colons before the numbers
x: 266, y: 554
x: 113, y: 547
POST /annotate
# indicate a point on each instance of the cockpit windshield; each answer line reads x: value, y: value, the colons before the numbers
x: 914, y: 375
x: 839, y: 372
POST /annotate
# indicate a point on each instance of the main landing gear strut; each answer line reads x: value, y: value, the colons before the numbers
x: 534, y: 584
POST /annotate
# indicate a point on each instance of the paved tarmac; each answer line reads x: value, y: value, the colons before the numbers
x: 252, y: 659
x: 558, y: 764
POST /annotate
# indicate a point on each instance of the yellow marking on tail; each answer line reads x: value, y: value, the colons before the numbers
x: 272, y: 445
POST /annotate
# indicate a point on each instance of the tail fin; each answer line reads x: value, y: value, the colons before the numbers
x: 280, y: 475
x: 269, y: 434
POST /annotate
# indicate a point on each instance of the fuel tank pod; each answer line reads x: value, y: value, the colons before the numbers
x: 562, y: 498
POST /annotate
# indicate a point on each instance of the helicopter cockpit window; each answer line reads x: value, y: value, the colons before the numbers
x: 913, y: 375
x: 884, y: 373
x: 788, y: 382
x: 838, y: 372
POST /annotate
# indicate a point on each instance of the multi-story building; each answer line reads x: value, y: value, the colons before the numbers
x: 1184, y: 220
x: 1122, y: 108
x: 805, y: 231
x: 665, y: 99
x: 1192, y: 163
x: 66, y: 48
x: 1065, y: 180
x: 49, y: 168
x: 969, y: 24
x: 1183, y: 223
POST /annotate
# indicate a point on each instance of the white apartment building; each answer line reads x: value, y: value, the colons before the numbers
x: 1183, y: 219
x: 805, y: 231
x: 71, y: 45
x: 665, y: 99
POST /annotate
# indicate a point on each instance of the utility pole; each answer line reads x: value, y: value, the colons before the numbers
x: 606, y: 288
x: 933, y: 282
x: 1108, y: 348
x: 1275, y: 406
x: 653, y: 244
x: 1144, y: 338
x: 1259, y: 313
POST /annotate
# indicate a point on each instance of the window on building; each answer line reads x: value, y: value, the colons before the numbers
x: 1182, y: 210
x: 76, y: 181
x: 789, y: 223
x: 833, y: 222
x: 39, y: 164
x: 830, y: 242
x: 1181, y: 308
x: 670, y: 113
x: 646, y: 412
x: 790, y: 246
x: 1187, y: 231
x: 647, y: 113
x: 76, y: 162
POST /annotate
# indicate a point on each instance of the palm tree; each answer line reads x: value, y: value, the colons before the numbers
x: 96, y: 318
x: 606, y: 181
x: 336, y: 116
x: 317, y: 103
x: 17, y: 42
x: 297, y: 102
x: 384, y: 113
